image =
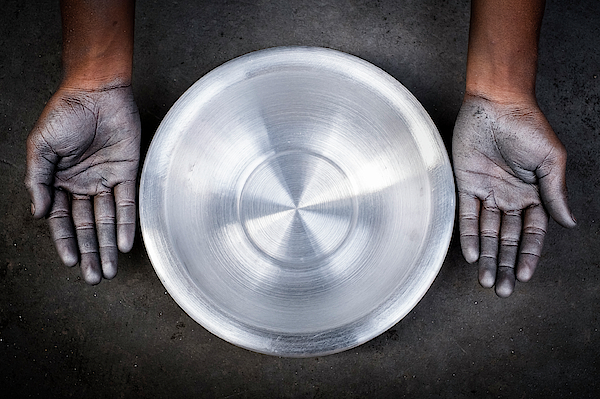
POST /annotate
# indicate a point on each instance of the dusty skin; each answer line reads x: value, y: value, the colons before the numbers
x: 510, y: 172
x: 82, y: 162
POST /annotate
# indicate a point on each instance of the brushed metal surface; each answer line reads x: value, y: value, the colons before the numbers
x: 297, y: 201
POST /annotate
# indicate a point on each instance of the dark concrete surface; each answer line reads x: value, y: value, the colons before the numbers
x: 126, y: 338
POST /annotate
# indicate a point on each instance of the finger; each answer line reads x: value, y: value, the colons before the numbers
x: 510, y: 233
x: 553, y: 190
x: 126, y: 214
x: 104, y: 211
x: 490, y: 228
x: 41, y: 161
x: 505, y: 281
x: 535, y: 223
x: 468, y: 221
x: 62, y: 230
x: 83, y: 217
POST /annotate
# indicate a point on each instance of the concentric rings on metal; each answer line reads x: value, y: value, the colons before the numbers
x: 297, y: 201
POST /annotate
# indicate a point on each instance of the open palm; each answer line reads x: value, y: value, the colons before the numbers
x: 82, y: 162
x: 510, y: 173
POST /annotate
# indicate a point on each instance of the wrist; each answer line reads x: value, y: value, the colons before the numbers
x: 501, y: 82
x: 97, y: 43
x: 500, y: 94
x: 505, y: 101
x: 502, y: 55
x: 97, y: 74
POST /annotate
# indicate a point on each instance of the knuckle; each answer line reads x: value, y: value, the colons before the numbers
x: 63, y: 234
x: 59, y: 213
x: 489, y: 233
x: 125, y: 224
x: 509, y: 241
x: 83, y: 226
x: 105, y: 219
x: 468, y: 217
x: 530, y: 253
x: 513, y: 213
x: 125, y: 203
x: 88, y: 248
x: 533, y: 230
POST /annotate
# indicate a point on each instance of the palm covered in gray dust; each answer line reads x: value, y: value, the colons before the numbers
x: 82, y: 162
x: 510, y: 173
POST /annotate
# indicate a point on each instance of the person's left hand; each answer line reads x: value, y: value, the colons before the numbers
x: 82, y: 163
x: 510, y: 172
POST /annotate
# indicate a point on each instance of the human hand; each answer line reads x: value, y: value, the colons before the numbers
x: 510, y: 172
x: 82, y: 163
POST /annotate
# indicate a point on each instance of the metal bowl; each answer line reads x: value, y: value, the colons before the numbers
x: 297, y: 201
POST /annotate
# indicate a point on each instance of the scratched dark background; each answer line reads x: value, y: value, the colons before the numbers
x: 126, y: 338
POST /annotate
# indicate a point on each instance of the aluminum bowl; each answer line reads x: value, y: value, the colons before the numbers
x: 297, y: 201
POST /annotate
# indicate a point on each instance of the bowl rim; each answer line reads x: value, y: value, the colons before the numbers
x: 164, y: 261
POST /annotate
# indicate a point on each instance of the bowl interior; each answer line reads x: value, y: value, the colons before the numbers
x: 297, y: 201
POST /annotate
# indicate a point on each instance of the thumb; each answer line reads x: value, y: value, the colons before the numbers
x: 553, y: 191
x: 41, y: 162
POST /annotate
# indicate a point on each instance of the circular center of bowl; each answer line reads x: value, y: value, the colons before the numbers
x: 297, y: 207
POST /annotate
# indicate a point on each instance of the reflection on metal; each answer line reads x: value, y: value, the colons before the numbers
x: 297, y: 201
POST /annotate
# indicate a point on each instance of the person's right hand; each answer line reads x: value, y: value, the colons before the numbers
x: 82, y: 163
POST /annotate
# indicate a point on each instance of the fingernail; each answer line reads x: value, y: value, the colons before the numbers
x: 32, y: 209
x: 573, y: 217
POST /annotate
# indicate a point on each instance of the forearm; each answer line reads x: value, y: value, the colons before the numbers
x: 97, y: 43
x: 503, y: 43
